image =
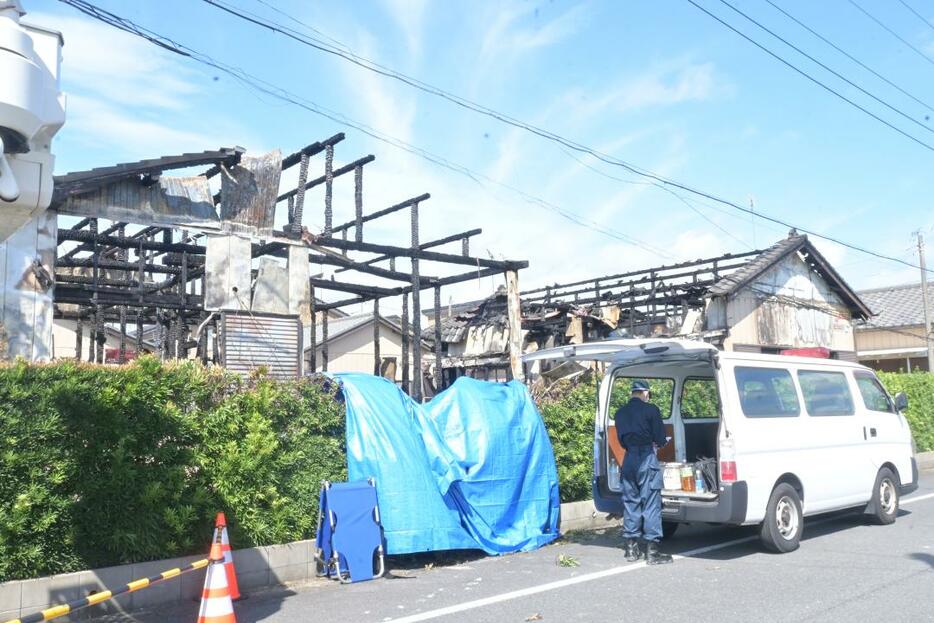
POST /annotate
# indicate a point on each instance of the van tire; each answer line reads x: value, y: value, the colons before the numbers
x: 669, y: 528
x: 784, y: 522
x: 884, y: 503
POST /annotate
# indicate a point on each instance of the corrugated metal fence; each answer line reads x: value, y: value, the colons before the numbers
x: 249, y: 341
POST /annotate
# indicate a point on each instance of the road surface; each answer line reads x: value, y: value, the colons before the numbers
x: 844, y: 570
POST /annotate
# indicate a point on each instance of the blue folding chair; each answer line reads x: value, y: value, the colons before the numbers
x: 349, y: 535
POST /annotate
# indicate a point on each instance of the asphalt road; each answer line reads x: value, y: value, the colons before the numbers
x: 844, y: 570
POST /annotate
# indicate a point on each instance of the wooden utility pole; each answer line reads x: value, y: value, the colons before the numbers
x: 925, y: 300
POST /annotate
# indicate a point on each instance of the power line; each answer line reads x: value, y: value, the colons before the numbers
x: 248, y: 80
x: 837, y: 74
x: 849, y: 56
x: 892, y: 32
x: 385, y: 71
x: 811, y: 78
x: 263, y: 86
x: 918, y: 15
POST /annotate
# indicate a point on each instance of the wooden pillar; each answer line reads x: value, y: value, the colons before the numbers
x: 122, y: 353
x: 376, y: 354
x: 79, y: 335
x: 416, y: 313
x: 324, y: 342
x: 514, y: 312
x: 439, y: 373
x: 405, y: 343
x: 313, y: 346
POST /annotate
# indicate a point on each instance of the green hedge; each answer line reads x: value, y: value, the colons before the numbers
x: 920, y: 389
x: 102, y: 465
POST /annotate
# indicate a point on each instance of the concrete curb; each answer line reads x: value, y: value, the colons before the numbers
x: 925, y: 460
x: 257, y: 567
x: 583, y: 516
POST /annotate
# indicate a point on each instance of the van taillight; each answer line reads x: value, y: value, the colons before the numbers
x: 727, y: 461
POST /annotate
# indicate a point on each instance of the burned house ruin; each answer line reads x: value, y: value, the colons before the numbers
x: 217, y: 263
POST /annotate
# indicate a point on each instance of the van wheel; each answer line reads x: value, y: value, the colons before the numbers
x: 669, y: 528
x: 784, y: 522
x: 884, y: 502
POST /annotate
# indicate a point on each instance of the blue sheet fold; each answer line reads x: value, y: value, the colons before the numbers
x: 472, y: 468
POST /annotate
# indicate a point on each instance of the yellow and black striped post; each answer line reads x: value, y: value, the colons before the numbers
x: 96, y: 598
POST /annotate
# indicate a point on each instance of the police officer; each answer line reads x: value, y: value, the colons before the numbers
x: 641, y: 432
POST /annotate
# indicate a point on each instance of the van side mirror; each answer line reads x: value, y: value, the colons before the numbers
x: 901, y: 401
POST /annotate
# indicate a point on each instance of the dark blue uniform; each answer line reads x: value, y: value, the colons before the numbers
x: 640, y: 430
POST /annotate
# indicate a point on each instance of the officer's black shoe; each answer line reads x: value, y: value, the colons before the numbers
x: 655, y: 557
x: 632, y: 550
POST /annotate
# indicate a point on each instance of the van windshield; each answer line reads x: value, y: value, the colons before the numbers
x: 661, y: 390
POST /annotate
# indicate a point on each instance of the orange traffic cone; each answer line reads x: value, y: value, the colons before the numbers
x: 216, y: 605
x: 220, y: 525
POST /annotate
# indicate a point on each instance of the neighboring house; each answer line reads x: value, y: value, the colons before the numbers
x: 786, y: 297
x: 350, y: 346
x: 893, y: 339
x: 64, y: 341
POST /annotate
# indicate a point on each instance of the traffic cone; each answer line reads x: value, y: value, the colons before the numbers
x: 220, y: 525
x: 216, y: 605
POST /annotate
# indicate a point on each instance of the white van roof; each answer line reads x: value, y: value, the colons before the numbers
x: 662, y: 349
x: 625, y: 350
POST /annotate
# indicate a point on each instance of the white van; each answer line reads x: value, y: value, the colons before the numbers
x: 784, y: 437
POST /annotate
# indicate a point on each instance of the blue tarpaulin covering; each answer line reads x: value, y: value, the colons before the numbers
x: 473, y: 468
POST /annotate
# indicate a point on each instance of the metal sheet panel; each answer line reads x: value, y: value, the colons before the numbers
x: 27, y: 261
x: 299, y: 284
x: 252, y: 340
x: 271, y: 294
x: 227, y: 266
x: 249, y: 191
x: 170, y: 201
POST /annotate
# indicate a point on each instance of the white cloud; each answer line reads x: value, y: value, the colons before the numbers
x: 659, y: 86
x: 127, y: 99
x: 409, y: 15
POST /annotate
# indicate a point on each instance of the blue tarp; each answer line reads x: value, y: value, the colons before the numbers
x: 473, y: 468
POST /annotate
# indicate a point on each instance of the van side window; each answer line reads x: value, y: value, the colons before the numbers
x: 874, y: 396
x: 661, y: 393
x: 825, y: 393
x: 699, y: 399
x: 766, y: 392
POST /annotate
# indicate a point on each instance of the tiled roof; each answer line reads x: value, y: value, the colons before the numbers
x: 896, y: 306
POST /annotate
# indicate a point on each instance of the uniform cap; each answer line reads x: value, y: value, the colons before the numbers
x: 640, y: 386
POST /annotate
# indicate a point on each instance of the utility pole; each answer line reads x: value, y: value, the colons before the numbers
x: 928, y: 337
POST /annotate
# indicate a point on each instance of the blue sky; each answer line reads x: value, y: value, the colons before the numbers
x: 658, y: 84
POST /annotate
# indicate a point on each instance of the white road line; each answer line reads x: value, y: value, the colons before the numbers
x: 589, y: 577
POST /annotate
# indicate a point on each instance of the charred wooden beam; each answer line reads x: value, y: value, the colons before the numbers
x: 428, y: 245
x: 347, y: 168
x: 115, y: 265
x: 380, y: 213
x: 310, y: 150
x: 656, y: 269
x: 417, y: 254
x: 354, y: 288
x: 114, y: 241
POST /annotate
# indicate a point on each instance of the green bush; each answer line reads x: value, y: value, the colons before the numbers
x: 919, y: 386
x: 568, y: 414
x: 104, y: 465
